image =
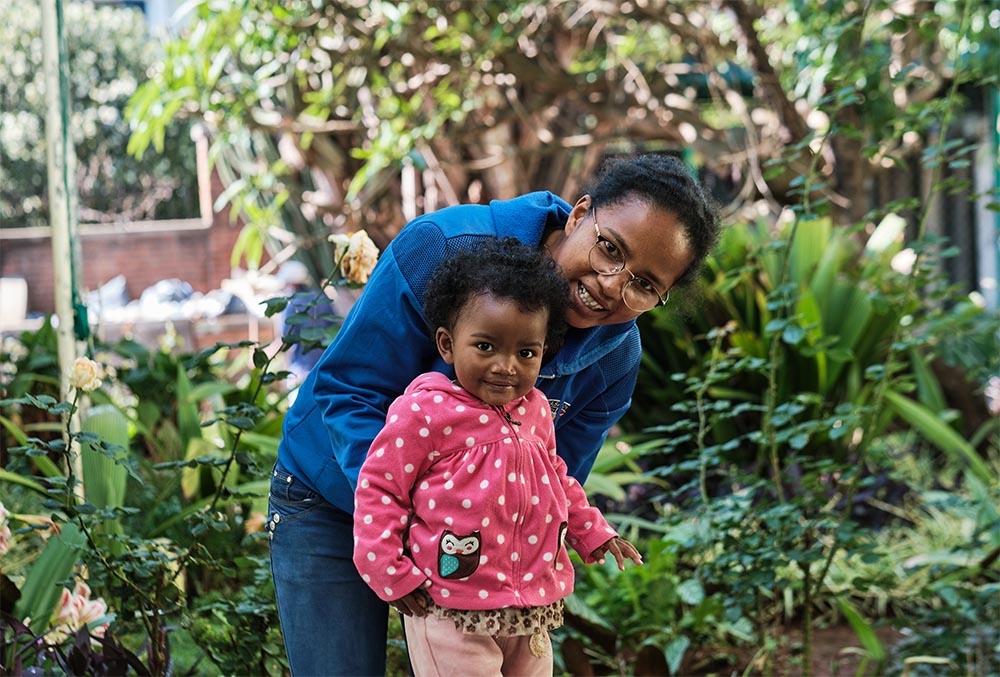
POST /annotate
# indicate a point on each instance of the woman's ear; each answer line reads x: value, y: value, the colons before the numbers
x: 577, y: 214
x: 445, y: 345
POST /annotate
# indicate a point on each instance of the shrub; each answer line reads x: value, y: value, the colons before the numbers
x: 108, y: 51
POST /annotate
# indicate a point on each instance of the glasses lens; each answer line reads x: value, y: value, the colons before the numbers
x: 603, y: 261
x: 639, y: 299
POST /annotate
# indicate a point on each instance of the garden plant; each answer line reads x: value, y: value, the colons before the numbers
x: 810, y: 445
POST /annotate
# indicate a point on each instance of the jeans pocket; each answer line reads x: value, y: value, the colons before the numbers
x: 289, y: 498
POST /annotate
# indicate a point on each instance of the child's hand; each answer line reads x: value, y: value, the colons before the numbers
x: 621, y: 549
x: 413, y: 604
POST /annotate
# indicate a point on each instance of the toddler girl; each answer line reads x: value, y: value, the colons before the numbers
x: 463, y: 509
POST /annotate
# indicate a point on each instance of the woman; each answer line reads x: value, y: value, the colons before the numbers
x: 645, y: 228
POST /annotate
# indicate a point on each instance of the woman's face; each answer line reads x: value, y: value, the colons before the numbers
x: 653, y: 241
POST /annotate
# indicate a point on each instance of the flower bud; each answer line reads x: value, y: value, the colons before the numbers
x: 86, y: 375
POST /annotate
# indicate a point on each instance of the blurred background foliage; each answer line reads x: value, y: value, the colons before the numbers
x: 349, y: 114
x: 815, y: 446
x: 109, y: 51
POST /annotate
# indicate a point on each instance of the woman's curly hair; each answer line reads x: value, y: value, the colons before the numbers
x: 506, y: 269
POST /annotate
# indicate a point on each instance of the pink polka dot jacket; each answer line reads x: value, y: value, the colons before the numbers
x: 472, y: 498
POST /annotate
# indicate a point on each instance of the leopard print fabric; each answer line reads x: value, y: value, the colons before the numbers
x: 506, y: 622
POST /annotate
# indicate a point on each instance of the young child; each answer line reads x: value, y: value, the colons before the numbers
x: 463, y: 509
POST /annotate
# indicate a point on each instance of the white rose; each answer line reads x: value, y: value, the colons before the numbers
x: 359, y: 260
x: 86, y: 375
x: 341, y: 242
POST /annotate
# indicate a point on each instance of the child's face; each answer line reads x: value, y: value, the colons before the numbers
x: 496, y: 348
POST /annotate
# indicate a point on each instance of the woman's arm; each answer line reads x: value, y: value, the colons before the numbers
x: 383, y: 344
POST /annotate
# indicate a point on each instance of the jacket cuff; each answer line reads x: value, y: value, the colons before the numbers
x: 594, y: 539
x: 390, y: 587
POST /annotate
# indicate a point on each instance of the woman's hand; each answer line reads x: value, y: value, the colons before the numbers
x: 621, y: 549
x: 413, y: 604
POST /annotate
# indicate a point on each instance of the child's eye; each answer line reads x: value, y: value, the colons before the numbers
x: 484, y: 346
x: 527, y: 353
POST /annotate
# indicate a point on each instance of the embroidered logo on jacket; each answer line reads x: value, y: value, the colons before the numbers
x: 558, y: 407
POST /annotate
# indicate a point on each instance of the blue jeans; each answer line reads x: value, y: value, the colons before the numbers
x: 332, y: 622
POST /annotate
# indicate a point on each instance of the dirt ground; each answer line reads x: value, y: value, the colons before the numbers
x: 836, y: 652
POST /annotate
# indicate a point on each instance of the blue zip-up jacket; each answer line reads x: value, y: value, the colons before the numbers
x: 385, y: 342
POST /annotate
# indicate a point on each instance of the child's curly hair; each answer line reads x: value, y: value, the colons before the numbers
x: 505, y: 269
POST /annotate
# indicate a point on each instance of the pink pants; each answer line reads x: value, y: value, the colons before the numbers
x: 439, y: 649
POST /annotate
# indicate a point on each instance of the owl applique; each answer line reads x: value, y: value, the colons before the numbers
x: 458, y: 556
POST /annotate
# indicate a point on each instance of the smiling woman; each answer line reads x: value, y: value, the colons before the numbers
x: 652, y: 212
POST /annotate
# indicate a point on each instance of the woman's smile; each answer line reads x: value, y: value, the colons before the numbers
x: 588, y: 300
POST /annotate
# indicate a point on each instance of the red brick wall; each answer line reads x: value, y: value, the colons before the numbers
x: 144, y: 252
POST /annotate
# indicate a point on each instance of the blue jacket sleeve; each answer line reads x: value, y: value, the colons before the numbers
x: 383, y: 344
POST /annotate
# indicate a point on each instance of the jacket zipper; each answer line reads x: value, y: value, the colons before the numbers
x: 521, y: 503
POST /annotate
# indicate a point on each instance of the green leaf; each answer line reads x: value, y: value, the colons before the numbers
x: 866, y: 635
x: 812, y: 239
x: 188, y: 423
x: 793, y: 334
x: 41, y: 592
x: 14, y: 478
x: 262, y: 442
x: 104, y: 480
x: 241, y: 422
x: 939, y: 433
x: 928, y: 386
x: 15, y: 431
x: 274, y: 305
x: 576, y: 606
x: 210, y: 390
x: 675, y: 653
x: 691, y: 591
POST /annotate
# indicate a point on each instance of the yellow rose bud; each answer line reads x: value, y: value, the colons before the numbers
x: 86, y: 375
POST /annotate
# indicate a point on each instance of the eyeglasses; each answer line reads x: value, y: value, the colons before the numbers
x: 606, y: 258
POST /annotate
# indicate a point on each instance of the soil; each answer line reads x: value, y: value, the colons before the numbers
x: 836, y: 652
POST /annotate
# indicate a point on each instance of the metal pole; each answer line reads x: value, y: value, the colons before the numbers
x: 62, y: 192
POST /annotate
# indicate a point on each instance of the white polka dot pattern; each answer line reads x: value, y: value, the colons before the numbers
x: 466, y: 471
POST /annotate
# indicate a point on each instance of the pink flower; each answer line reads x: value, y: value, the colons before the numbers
x: 75, y: 611
x: 92, y: 610
x: 4, y: 530
x: 65, y: 613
